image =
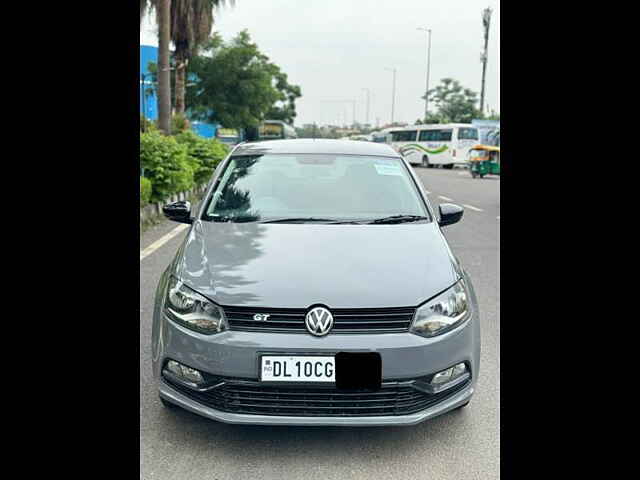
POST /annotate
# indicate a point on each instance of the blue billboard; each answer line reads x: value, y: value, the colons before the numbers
x: 148, y: 99
x: 205, y: 130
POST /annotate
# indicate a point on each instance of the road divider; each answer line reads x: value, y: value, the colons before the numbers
x: 162, y: 240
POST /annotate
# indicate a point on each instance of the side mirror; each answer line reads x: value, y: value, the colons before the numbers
x: 178, y: 211
x: 449, y: 214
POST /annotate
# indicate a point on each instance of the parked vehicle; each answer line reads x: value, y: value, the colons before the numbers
x: 315, y: 287
x: 270, y: 130
x: 483, y: 160
x: 435, y: 144
x: 228, y: 136
x: 381, y: 136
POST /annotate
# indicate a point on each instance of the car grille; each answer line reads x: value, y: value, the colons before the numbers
x: 253, y: 398
x: 345, y: 320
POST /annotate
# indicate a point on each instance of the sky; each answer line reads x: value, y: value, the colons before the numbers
x: 334, y: 49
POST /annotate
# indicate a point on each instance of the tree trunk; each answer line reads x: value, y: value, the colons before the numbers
x: 164, y: 79
x: 181, y: 78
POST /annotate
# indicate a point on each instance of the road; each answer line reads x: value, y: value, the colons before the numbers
x: 464, y: 444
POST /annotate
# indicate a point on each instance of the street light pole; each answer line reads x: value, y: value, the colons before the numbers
x: 426, y: 95
x: 486, y: 19
x: 393, y: 94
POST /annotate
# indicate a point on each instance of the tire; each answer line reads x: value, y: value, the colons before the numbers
x: 168, y: 405
x: 425, y: 162
x: 462, y: 406
x: 448, y: 166
x: 473, y: 174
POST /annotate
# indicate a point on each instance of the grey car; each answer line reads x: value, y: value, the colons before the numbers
x: 315, y: 287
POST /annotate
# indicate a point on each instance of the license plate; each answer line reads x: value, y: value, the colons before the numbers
x: 297, y: 368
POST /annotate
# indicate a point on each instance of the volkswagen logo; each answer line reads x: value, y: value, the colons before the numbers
x: 319, y: 321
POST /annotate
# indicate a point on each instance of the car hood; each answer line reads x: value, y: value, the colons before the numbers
x: 298, y: 265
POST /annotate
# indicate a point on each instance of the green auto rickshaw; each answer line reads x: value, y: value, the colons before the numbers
x: 484, y: 160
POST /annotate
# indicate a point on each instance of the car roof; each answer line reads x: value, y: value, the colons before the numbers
x: 319, y: 145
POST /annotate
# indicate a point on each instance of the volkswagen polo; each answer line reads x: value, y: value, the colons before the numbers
x: 315, y: 287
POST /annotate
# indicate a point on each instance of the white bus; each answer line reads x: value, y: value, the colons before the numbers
x: 438, y: 144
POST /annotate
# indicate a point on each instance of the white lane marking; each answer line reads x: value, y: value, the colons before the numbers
x: 472, y: 207
x: 427, y: 192
x: 445, y: 198
x: 162, y: 240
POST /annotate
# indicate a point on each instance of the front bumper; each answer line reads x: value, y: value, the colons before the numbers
x: 456, y: 400
x: 236, y: 354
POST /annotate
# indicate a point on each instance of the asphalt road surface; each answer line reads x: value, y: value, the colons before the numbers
x: 463, y: 444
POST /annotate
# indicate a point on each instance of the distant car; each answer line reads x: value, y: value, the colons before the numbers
x: 315, y: 287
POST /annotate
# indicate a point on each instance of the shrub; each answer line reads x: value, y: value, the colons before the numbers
x: 204, y: 154
x: 179, y: 123
x: 149, y: 125
x: 145, y: 191
x: 166, y: 164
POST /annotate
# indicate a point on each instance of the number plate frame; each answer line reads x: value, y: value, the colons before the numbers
x: 291, y: 359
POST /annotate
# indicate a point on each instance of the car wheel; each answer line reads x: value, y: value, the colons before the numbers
x: 448, y: 167
x: 168, y: 405
x: 425, y: 162
x: 462, y: 406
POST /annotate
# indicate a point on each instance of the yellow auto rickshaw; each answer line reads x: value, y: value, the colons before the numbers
x: 483, y: 160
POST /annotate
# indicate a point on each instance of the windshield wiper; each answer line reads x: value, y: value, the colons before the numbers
x: 300, y: 220
x: 230, y: 218
x: 399, y: 219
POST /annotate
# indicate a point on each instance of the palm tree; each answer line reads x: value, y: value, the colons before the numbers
x: 163, y: 18
x: 188, y: 23
x: 143, y: 7
x: 163, y: 9
x: 191, y: 26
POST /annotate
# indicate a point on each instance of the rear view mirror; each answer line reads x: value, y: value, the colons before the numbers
x: 449, y: 214
x: 178, y: 212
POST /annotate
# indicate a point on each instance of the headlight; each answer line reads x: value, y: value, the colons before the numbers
x: 444, y: 312
x: 190, y: 309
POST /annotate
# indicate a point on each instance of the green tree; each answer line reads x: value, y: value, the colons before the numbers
x: 454, y: 103
x: 285, y: 107
x: 237, y: 86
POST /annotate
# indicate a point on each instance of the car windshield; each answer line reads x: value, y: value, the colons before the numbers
x: 315, y: 187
